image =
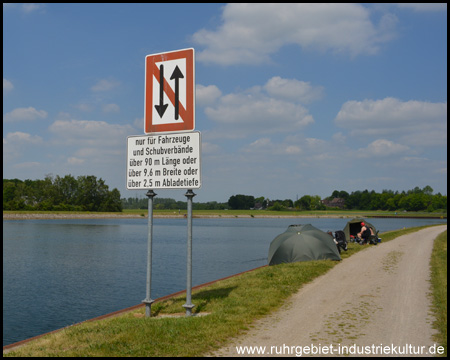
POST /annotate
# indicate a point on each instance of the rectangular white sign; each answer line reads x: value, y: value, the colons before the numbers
x: 164, y: 161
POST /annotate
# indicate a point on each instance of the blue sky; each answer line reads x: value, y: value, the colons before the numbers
x: 291, y: 99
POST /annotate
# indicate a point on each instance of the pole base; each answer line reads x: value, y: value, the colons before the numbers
x: 188, y: 308
x: 148, y: 307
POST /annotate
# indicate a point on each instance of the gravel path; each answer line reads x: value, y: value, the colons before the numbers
x: 378, y: 297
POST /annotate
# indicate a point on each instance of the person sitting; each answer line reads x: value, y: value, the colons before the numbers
x: 365, y: 233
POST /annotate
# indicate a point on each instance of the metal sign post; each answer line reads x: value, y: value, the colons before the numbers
x: 148, y: 300
x: 167, y: 161
x: 188, y: 306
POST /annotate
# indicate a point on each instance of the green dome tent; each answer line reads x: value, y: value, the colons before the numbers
x: 302, y: 243
x: 353, y: 227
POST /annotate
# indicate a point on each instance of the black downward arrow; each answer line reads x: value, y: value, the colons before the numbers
x: 161, y: 108
x: 177, y: 75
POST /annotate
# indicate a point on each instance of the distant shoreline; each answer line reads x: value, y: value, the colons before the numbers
x: 61, y: 216
x: 17, y: 216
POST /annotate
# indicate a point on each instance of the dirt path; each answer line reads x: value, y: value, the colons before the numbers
x: 378, y: 297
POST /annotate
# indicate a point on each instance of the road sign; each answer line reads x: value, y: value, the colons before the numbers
x: 169, y: 92
x: 164, y: 161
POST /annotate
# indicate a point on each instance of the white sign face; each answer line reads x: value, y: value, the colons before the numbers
x: 169, y: 70
x: 165, y: 161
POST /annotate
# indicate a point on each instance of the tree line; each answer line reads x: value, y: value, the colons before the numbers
x: 412, y: 200
x: 170, y: 204
x: 84, y: 193
x: 87, y: 193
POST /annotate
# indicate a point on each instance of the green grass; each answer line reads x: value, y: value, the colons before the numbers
x: 261, y: 213
x: 232, y: 306
x: 439, y: 288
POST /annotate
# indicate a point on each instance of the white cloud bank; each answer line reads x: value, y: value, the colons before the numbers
x: 419, y: 122
x: 24, y: 114
x: 7, y: 86
x: 274, y: 107
x: 250, y: 33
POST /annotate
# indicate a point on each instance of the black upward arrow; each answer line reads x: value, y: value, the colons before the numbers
x: 161, y: 108
x: 177, y: 75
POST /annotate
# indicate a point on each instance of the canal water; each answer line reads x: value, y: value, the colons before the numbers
x: 60, y: 272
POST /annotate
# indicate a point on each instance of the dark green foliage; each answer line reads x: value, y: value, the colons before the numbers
x: 241, y: 202
x: 85, y: 193
x: 170, y: 204
x: 411, y: 200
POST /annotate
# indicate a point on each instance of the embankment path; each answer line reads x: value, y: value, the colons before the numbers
x: 379, y: 296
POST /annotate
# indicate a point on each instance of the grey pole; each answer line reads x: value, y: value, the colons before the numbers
x: 148, y: 300
x: 188, y: 306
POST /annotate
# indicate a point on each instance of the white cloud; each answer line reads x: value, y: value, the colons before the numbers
x: 105, y: 85
x: 339, y: 138
x: 427, y: 137
x: 139, y: 123
x: 29, y: 165
x: 245, y: 112
x: 293, y: 89
x: 75, y: 161
x: 88, y: 146
x: 209, y: 148
x: 391, y: 117
x: 25, y: 8
x: 293, y: 145
x: 30, y: 7
x: 265, y: 146
x: 111, y: 108
x: 262, y: 143
x: 382, y: 148
x: 206, y: 95
x: 21, y: 138
x: 388, y: 111
x: 294, y: 150
x: 85, y: 132
x: 85, y: 107
x: 250, y: 33
x: 99, y: 152
x: 17, y: 143
x: 24, y: 114
x: 266, y: 109
x: 424, y: 7
x: 7, y: 86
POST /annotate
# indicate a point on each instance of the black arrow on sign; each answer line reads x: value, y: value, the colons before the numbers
x: 161, y: 108
x: 177, y: 75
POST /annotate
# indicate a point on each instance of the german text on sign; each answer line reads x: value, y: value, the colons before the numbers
x: 165, y: 161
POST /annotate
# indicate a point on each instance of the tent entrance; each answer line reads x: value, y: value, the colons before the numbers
x: 355, y: 228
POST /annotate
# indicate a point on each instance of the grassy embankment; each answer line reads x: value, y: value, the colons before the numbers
x: 232, y: 304
x: 439, y: 286
x: 225, y: 214
x: 266, y: 213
